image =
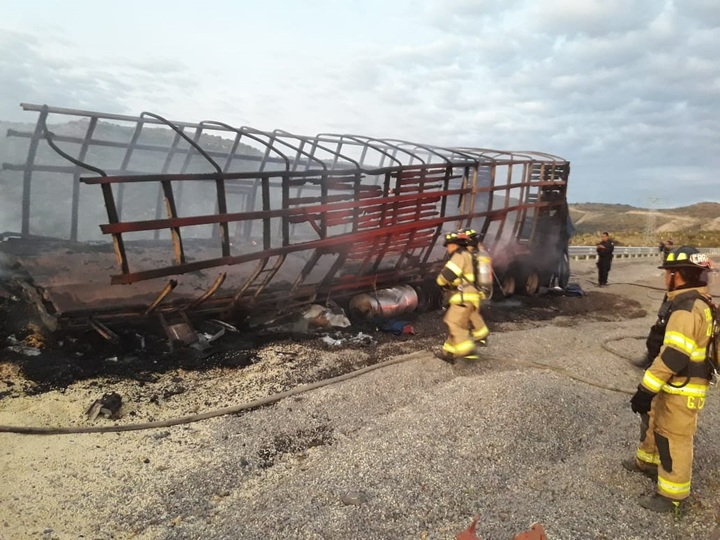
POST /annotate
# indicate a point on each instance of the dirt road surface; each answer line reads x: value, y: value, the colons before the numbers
x: 411, y: 448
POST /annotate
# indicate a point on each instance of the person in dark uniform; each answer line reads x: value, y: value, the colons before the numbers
x: 604, y: 250
x: 666, y: 247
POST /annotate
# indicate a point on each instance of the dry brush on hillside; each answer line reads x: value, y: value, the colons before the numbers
x: 698, y: 224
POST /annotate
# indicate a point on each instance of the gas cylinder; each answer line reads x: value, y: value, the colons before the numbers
x: 384, y: 303
x: 485, y: 273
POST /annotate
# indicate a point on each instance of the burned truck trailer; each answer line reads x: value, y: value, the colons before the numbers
x: 113, y: 219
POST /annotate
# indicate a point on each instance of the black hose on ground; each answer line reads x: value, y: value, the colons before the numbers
x: 633, y: 360
x: 565, y: 373
x: 641, y: 285
x: 605, y: 344
x: 210, y: 414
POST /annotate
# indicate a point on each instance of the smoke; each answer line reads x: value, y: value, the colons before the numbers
x: 6, y: 266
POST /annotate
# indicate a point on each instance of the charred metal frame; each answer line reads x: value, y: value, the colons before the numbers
x: 378, y: 206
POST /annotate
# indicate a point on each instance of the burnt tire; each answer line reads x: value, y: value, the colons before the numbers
x: 529, y: 283
x: 563, y: 271
x: 429, y: 296
x: 507, y: 285
x: 527, y: 278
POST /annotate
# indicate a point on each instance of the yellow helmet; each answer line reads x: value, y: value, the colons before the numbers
x: 463, y: 237
x: 686, y: 257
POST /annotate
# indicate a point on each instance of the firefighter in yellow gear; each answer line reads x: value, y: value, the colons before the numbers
x: 674, y: 387
x: 466, y: 327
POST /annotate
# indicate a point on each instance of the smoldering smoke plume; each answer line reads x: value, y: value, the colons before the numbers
x: 6, y: 267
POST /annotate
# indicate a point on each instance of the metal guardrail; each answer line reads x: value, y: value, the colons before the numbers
x: 578, y: 253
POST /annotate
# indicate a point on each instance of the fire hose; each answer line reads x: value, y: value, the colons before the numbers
x: 268, y: 400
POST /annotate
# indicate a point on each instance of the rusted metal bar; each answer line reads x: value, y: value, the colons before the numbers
x: 140, y: 146
x: 305, y: 272
x: 104, y: 331
x: 210, y: 292
x: 418, y: 215
x: 27, y: 175
x: 103, y: 116
x: 303, y: 212
x: 160, y: 297
x: 76, y: 179
x: 385, y: 229
x: 366, y: 264
x: 334, y: 269
x: 294, y: 175
x: 506, y: 203
x: 254, y: 285
x: 118, y: 243
x: 126, y: 162
x: 238, y: 259
x: 171, y: 211
x: 165, y: 190
x: 267, y: 233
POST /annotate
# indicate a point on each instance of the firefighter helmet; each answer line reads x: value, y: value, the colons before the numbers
x: 686, y: 257
x: 473, y: 235
x: 463, y: 237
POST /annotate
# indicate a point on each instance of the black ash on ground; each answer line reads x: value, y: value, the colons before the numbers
x: 46, y: 362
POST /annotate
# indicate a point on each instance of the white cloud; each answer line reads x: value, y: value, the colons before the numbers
x: 628, y: 86
x: 593, y: 18
x: 701, y: 13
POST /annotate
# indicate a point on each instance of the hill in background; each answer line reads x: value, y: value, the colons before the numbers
x: 697, y: 224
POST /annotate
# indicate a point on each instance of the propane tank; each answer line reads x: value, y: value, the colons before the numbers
x: 485, y: 273
x: 385, y: 303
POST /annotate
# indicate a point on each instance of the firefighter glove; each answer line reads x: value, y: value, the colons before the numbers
x: 641, y: 401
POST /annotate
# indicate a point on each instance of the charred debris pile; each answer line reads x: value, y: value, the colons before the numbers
x: 143, y: 351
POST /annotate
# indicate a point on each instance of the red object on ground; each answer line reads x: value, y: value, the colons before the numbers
x: 536, y: 532
x: 469, y: 533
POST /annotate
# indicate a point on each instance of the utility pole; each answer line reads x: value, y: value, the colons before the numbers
x: 651, y: 221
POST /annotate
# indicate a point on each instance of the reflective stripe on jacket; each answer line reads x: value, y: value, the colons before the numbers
x: 458, y: 273
x: 680, y: 368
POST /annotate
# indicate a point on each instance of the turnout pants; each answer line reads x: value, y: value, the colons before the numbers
x: 457, y: 319
x: 666, y: 441
x: 479, y: 328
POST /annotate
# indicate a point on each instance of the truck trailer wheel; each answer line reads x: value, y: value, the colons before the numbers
x: 527, y: 278
x: 429, y: 296
x: 563, y: 273
x: 530, y: 283
x: 506, y: 285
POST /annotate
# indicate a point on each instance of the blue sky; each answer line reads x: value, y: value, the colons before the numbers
x: 627, y: 90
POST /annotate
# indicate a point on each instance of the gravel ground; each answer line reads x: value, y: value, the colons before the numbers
x: 534, y: 432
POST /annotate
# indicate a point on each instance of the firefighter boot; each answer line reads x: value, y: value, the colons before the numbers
x: 477, y: 351
x: 632, y: 465
x: 445, y: 356
x: 660, y: 504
